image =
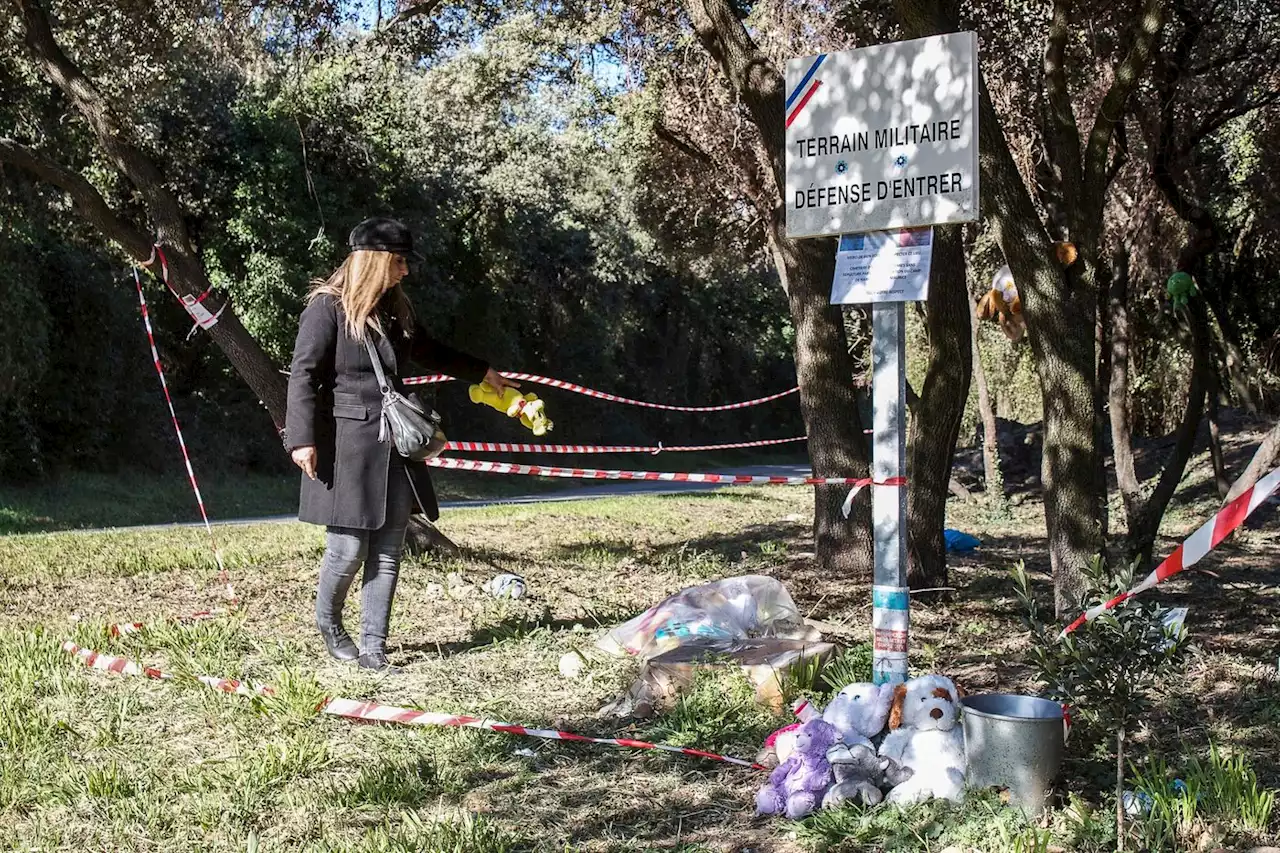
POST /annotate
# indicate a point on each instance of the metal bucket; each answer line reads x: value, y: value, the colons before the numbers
x: 1013, y: 742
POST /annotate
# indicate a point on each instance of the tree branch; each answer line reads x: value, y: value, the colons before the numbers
x: 684, y: 146
x: 1112, y: 110
x: 187, y: 274
x: 1122, y: 153
x: 111, y: 134
x: 1262, y: 460
x: 1221, y: 59
x: 1062, y: 136
x: 1240, y: 105
x: 83, y: 194
x: 1203, y: 231
x: 750, y: 73
x: 1143, y: 532
x: 409, y: 11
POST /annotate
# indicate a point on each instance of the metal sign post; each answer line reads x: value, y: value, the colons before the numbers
x: 882, y: 143
x: 890, y: 599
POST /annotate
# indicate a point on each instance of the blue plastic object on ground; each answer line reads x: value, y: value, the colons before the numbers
x: 958, y: 541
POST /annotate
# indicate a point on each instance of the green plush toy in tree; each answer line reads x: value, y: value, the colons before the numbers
x: 1181, y: 287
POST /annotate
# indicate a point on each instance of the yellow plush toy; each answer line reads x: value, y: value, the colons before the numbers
x: 527, y: 407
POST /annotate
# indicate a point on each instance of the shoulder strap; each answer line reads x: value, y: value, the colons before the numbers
x: 377, y: 361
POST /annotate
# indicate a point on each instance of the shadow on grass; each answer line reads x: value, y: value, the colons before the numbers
x: 508, y: 630
x: 721, y: 550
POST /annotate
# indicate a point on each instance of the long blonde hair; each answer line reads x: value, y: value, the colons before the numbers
x: 359, y: 284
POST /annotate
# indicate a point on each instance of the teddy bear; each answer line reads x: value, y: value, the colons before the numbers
x: 527, y: 407
x: 1004, y: 303
x: 858, y: 712
x: 861, y: 775
x: 796, y: 786
x: 925, y: 735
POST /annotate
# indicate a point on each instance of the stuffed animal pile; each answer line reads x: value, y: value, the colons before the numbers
x: 527, y: 407
x: 830, y: 757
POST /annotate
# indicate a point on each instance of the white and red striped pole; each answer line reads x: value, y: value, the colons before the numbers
x: 186, y: 457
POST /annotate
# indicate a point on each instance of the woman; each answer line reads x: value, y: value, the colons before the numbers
x: 360, y: 488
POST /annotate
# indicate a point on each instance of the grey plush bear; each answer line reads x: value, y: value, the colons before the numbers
x: 860, y: 775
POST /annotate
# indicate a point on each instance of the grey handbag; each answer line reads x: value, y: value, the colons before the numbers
x: 413, y: 426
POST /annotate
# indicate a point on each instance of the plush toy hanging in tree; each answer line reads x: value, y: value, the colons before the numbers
x: 1181, y: 287
x: 1004, y: 304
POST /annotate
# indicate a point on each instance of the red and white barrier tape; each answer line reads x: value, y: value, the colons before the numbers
x: 373, y: 712
x: 502, y: 447
x: 125, y: 666
x: 186, y: 457
x: 193, y: 305
x: 122, y: 628
x: 1195, y: 546
x: 614, y: 398
x: 486, y: 467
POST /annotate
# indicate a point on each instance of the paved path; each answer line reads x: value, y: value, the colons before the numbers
x: 611, y: 489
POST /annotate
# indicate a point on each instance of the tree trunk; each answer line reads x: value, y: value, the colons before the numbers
x: 1220, y: 478
x: 1121, y: 419
x: 1238, y: 369
x: 1143, y: 532
x: 935, y: 422
x: 993, y: 480
x: 1263, y: 458
x: 187, y: 274
x: 1101, y: 385
x: 1060, y: 331
x: 844, y: 547
x: 1059, y: 311
x: 823, y: 364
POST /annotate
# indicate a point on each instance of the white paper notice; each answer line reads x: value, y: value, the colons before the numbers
x: 883, y: 266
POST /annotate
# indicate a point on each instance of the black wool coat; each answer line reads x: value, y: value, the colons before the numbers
x: 335, y: 404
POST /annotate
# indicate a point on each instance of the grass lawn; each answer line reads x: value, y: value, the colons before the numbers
x: 95, y: 761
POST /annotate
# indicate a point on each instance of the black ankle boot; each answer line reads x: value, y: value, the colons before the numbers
x: 377, y: 661
x: 339, y: 643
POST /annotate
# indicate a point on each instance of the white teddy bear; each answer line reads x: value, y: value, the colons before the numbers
x: 926, y: 736
x: 859, y: 712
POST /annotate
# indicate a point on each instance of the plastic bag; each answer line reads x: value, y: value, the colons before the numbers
x: 959, y: 541
x: 738, y: 608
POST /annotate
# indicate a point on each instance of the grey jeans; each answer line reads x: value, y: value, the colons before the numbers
x: 379, y: 551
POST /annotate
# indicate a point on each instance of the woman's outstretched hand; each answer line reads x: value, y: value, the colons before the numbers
x: 305, y: 458
x: 498, y: 381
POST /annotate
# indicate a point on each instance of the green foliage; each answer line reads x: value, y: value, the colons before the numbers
x: 1214, y: 795
x: 850, y: 666
x: 717, y: 713
x: 528, y: 199
x: 981, y: 822
x: 1107, y: 669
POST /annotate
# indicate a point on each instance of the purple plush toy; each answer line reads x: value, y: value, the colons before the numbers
x: 796, y: 786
